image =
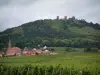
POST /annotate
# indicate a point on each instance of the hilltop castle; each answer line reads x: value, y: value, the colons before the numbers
x: 65, y: 18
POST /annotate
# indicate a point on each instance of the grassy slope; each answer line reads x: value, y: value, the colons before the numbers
x: 78, y: 60
x: 56, y: 25
x: 85, y: 31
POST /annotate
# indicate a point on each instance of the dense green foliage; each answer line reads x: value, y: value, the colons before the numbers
x: 53, y: 33
x: 61, y: 64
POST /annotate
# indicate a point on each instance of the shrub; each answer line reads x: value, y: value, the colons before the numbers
x: 68, y: 49
x: 87, y: 49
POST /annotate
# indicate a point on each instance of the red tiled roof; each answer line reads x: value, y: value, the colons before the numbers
x: 30, y: 52
x: 13, y: 50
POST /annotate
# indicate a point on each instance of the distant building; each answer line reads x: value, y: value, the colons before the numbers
x: 73, y: 17
x: 46, y: 52
x: 65, y: 17
x: 38, y: 51
x: 28, y: 52
x: 34, y: 51
x: 11, y: 51
x: 57, y: 17
x: 45, y: 47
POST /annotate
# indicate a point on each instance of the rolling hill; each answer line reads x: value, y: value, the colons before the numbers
x: 53, y: 32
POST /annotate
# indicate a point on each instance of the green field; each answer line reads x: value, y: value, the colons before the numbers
x: 78, y: 60
x: 72, y: 63
x: 62, y: 49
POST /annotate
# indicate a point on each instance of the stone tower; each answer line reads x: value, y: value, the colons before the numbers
x: 65, y: 17
x: 57, y: 17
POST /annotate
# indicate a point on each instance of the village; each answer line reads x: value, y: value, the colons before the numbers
x: 16, y: 51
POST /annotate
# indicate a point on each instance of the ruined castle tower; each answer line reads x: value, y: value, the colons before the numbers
x: 57, y: 17
x: 65, y: 17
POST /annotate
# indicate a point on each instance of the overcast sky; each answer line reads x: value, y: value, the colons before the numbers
x: 17, y: 12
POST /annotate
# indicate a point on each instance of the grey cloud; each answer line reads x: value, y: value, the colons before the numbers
x: 17, y: 12
x: 16, y: 2
x: 4, y: 2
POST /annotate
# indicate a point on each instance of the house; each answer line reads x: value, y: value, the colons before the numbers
x: 46, y: 52
x: 38, y: 51
x: 13, y: 51
x: 28, y: 52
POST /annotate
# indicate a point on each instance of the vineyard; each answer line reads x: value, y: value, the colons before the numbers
x: 61, y: 64
x: 43, y: 70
